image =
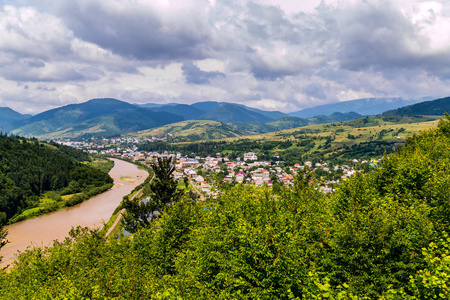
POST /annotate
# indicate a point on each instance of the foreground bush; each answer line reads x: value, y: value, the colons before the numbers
x: 382, y: 235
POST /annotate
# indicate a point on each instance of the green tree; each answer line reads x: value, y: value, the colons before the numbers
x: 163, y: 191
x: 164, y: 186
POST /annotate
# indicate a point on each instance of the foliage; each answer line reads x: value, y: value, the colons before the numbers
x: 160, y: 192
x: 29, y: 168
x: 382, y: 235
x: 335, y: 143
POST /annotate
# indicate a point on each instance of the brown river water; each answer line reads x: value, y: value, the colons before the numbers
x: 92, y: 213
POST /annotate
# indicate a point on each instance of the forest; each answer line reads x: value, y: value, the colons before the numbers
x: 29, y: 168
x: 382, y: 235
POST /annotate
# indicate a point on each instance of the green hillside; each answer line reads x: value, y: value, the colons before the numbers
x: 291, y: 122
x: 381, y: 235
x: 227, y: 113
x: 191, y: 131
x: 97, y: 117
x: 363, y: 138
x: 29, y: 169
x: 428, y: 108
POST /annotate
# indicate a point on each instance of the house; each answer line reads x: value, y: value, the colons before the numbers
x: 250, y: 156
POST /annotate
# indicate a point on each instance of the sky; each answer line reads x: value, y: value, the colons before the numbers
x: 281, y: 55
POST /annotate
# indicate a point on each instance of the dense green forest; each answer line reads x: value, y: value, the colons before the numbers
x: 29, y: 168
x: 381, y: 235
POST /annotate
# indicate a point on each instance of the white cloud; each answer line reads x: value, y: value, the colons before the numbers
x: 265, y: 53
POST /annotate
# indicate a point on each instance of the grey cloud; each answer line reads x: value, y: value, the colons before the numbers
x: 379, y: 38
x: 46, y: 88
x: 194, y: 75
x: 36, y: 64
x: 315, y: 90
x: 140, y: 32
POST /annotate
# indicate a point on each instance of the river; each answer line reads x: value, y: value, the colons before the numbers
x: 92, y: 213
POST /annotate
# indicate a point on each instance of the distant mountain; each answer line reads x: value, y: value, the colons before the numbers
x: 152, y: 105
x: 292, y: 122
x: 219, y: 111
x: 227, y: 113
x: 105, y: 117
x: 188, y: 112
x: 334, y: 117
x: 7, y: 115
x: 367, y: 106
x: 280, y: 124
x: 428, y: 108
x: 192, y: 130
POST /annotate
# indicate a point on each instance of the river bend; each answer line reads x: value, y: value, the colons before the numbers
x: 92, y: 213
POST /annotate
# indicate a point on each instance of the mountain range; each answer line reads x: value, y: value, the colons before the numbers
x: 366, y: 106
x: 97, y: 117
x: 428, y: 108
x: 218, y: 111
x: 111, y: 117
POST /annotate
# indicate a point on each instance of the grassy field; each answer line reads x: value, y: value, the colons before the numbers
x: 49, y: 201
x: 363, y: 138
x: 102, y: 164
x: 364, y: 129
x: 191, y: 131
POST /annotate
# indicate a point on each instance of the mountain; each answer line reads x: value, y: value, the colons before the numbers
x: 334, y: 117
x: 192, y: 130
x: 152, y: 105
x: 218, y: 111
x: 292, y: 122
x: 95, y: 117
x: 188, y: 112
x: 428, y: 108
x: 367, y: 106
x: 8, y: 115
x: 226, y: 113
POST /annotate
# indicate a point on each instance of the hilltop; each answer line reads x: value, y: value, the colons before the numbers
x: 192, y: 130
x: 428, y: 108
x: 366, y: 106
x: 96, y: 117
x: 356, y: 139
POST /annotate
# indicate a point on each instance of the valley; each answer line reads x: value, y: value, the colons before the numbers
x: 93, y: 213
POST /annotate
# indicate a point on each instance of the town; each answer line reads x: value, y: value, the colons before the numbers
x: 205, y: 173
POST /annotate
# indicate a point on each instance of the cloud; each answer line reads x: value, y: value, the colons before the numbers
x: 143, y: 30
x: 261, y: 53
x: 315, y: 90
x: 194, y: 75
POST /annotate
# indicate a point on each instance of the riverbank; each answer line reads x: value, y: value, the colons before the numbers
x: 92, y: 213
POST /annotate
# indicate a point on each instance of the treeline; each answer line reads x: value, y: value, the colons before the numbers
x: 29, y: 168
x: 382, y: 235
x: 300, y: 148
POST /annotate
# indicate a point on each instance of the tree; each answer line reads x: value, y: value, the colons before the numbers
x: 163, y: 191
x: 139, y: 213
x: 164, y: 186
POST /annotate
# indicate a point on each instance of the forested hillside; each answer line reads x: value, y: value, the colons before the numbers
x: 428, y: 108
x: 382, y: 235
x: 29, y: 168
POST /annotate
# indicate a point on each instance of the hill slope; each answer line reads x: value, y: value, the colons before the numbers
x: 429, y: 108
x: 30, y: 168
x: 219, y: 111
x: 192, y: 130
x: 7, y: 115
x: 292, y: 122
x: 227, y: 113
x: 367, y: 107
x: 97, y: 117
